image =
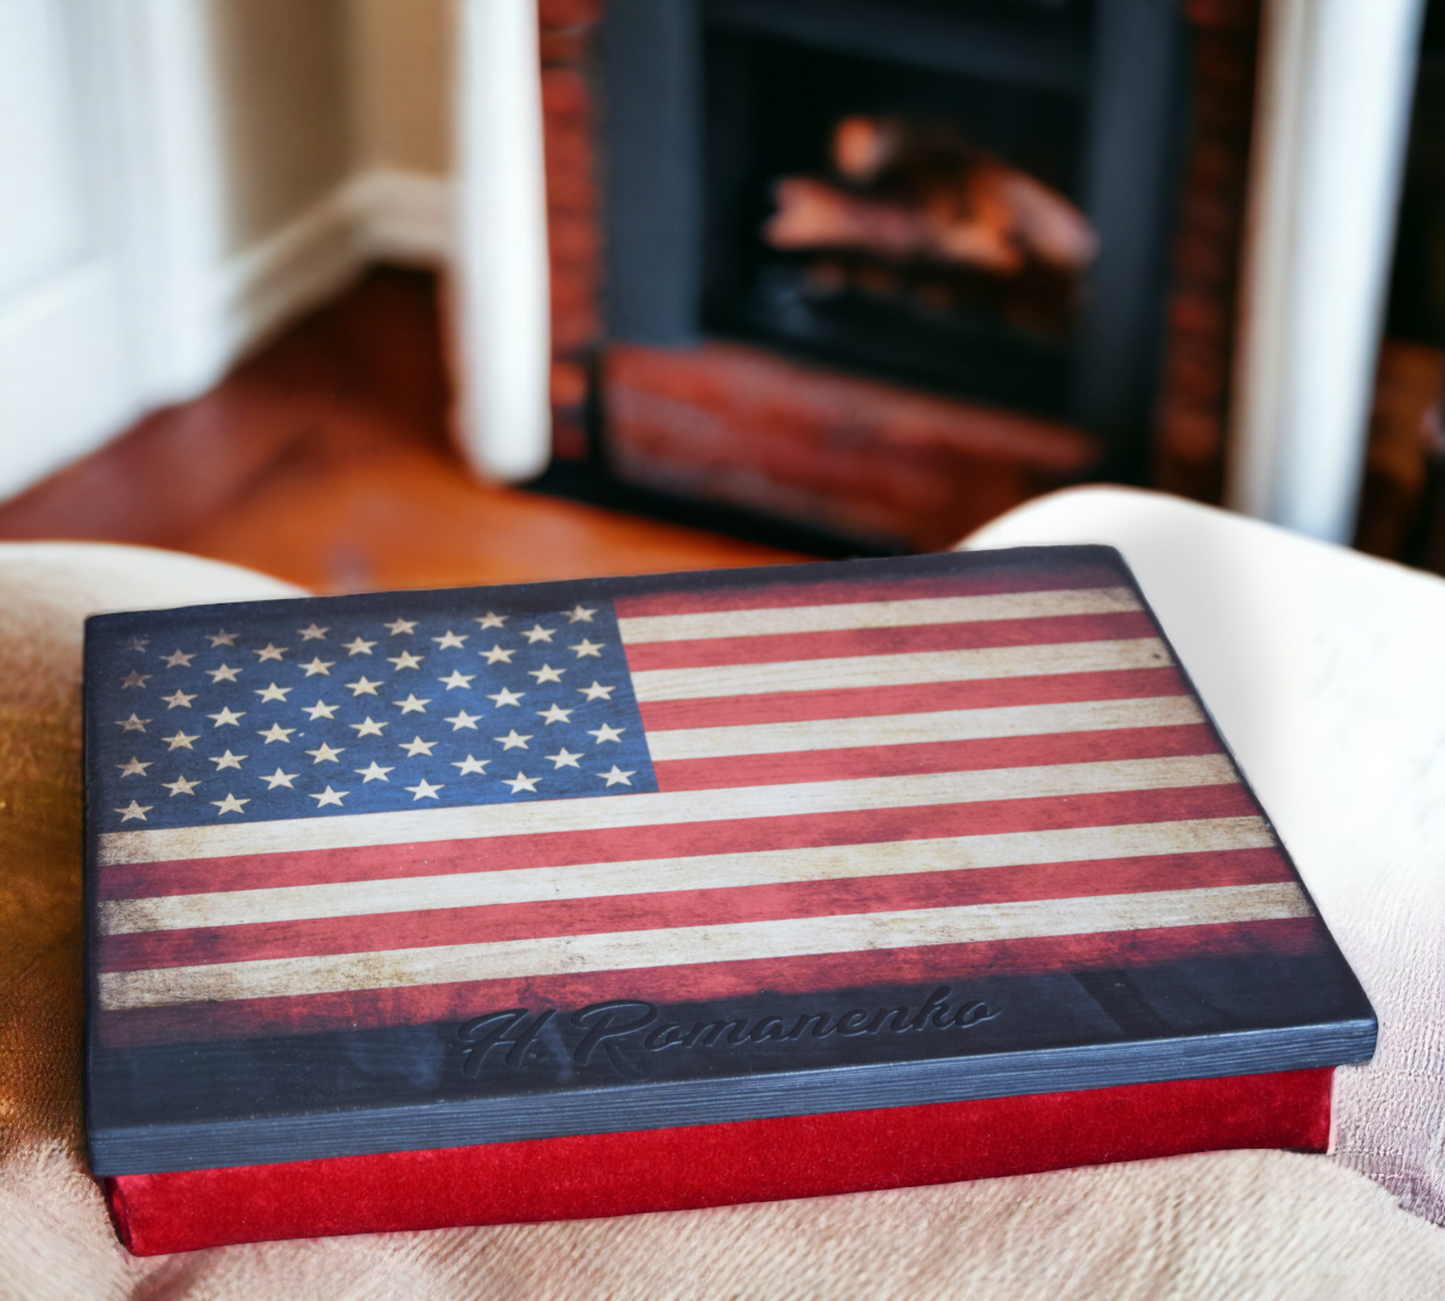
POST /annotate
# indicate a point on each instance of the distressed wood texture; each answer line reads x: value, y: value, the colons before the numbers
x: 981, y: 840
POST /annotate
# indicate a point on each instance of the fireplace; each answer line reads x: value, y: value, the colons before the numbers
x: 794, y: 128
x: 878, y: 267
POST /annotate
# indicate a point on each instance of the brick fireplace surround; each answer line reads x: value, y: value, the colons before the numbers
x: 858, y: 457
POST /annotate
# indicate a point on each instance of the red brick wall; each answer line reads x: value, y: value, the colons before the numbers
x: 851, y: 456
x: 568, y: 30
x: 1194, y: 395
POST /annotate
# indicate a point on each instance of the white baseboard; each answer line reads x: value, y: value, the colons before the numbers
x: 403, y: 216
x: 380, y: 214
x: 72, y: 327
x: 270, y: 284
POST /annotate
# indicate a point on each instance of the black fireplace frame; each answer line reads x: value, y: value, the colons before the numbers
x: 1126, y: 60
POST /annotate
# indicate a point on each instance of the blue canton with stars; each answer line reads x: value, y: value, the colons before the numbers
x: 366, y: 704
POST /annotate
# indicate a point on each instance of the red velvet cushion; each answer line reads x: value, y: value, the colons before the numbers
x: 710, y: 1165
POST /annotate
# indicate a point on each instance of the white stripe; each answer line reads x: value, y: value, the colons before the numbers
x: 602, y: 812
x: 702, y: 872
x: 897, y: 670
x: 679, y: 946
x: 876, y: 614
x: 917, y: 729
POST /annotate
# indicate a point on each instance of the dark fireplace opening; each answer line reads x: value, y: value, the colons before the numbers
x: 880, y: 267
x: 919, y: 223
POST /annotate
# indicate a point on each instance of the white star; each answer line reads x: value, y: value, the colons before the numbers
x: 564, y: 759
x: 472, y: 765
x: 228, y: 760
x: 364, y: 686
x: 490, y: 620
x: 538, y: 633
x: 321, y: 710
x: 578, y: 615
x: 512, y: 741
x: 134, y: 810
x: 606, y: 733
x: 179, y: 700
x: 132, y: 724
x: 556, y: 714
x: 411, y: 705
x: 137, y: 644
x: 463, y: 719
x: 230, y: 804
x: 273, y: 692
x: 521, y: 782
x: 505, y: 697
x: 585, y: 647
x: 276, y: 733
x: 357, y: 647
x: 448, y: 639
x: 368, y: 728
x: 400, y: 626
x: 617, y: 777
x: 313, y: 633
x: 375, y: 773
x: 134, y: 767
x: 457, y: 679
x: 329, y: 796
x: 546, y: 674
x: 228, y: 717
x: 135, y: 678
x: 597, y: 691
x: 497, y: 655
x: 178, y: 659
x: 319, y: 665
x: 222, y: 638
x: 423, y: 790
x: 406, y: 660
x: 181, y: 786
x: 223, y: 674
x: 325, y: 754
x: 416, y: 746
x: 279, y: 778
x: 180, y: 741
x: 270, y: 651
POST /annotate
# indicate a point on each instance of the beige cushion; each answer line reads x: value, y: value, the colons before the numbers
x: 1244, y: 1223
x: 1325, y: 670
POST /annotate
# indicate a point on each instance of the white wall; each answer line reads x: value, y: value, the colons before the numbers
x: 184, y: 177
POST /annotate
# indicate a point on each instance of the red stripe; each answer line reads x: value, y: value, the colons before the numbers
x: 712, y: 652
x: 933, y: 965
x: 488, y: 924
x: 1033, y: 576
x: 680, y: 840
x: 934, y: 756
x: 913, y: 698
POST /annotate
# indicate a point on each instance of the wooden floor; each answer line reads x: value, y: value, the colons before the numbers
x: 324, y: 460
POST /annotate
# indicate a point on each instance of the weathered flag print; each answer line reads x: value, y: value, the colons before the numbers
x: 405, y: 809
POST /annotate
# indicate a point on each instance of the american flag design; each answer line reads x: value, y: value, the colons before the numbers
x: 373, y: 811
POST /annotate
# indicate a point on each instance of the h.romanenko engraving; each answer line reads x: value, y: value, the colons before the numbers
x: 600, y: 1032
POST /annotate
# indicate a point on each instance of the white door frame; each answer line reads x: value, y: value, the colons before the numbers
x: 500, y: 300
x: 1331, y: 121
